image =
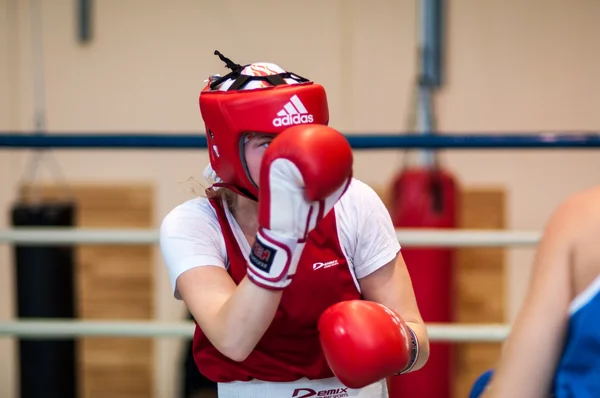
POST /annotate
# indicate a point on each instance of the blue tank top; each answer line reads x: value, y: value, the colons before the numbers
x: 578, y: 371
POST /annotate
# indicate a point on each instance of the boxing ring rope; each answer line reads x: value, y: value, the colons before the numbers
x: 40, y: 329
x: 455, y: 332
x: 562, y: 140
x: 37, y: 329
x: 406, y: 237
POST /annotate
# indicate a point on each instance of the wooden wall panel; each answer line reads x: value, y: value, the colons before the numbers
x: 480, y: 284
x: 114, y: 282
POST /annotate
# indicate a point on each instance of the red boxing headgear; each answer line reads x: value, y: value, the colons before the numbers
x: 256, y: 98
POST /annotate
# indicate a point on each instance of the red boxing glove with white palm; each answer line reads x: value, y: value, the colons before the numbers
x: 304, y: 172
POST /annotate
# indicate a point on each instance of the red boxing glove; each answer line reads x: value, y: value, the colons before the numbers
x: 365, y: 342
x: 304, y: 171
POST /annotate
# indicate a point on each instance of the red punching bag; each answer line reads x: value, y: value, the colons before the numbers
x: 426, y: 198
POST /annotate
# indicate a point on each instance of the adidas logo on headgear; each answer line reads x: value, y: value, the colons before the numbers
x: 293, y: 112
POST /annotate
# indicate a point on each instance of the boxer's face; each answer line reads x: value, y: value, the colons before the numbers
x: 254, y: 149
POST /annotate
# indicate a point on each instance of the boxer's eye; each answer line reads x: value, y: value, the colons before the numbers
x: 264, y: 142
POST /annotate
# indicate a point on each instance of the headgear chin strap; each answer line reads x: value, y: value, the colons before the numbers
x: 255, y: 98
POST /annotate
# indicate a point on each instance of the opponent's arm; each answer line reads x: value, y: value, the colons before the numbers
x: 530, y: 354
x: 391, y: 286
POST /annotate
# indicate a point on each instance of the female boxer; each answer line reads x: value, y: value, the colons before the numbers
x: 290, y: 267
x: 554, y: 346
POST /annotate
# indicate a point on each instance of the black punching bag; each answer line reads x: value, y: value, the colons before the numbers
x: 45, y: 288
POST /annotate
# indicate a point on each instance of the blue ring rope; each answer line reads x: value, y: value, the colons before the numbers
x: 178, y: 141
